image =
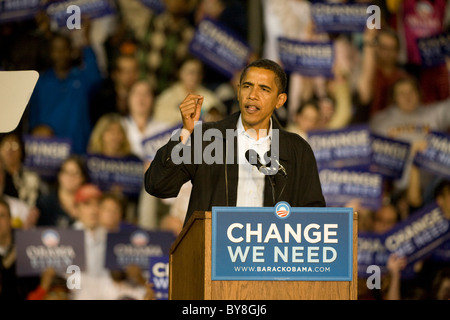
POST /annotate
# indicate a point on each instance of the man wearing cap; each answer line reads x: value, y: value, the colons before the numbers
x: 95, y: 276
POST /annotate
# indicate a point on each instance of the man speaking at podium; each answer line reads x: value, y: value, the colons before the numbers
x: 245, y: 160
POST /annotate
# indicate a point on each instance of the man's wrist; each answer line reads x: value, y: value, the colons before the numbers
x: 184, y: 135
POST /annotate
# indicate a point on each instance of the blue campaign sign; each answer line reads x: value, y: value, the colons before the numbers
x: 59, y: 13
x: 342, y: 148
x: 420, y: 234
x: 339, y: 17
x: 310, y: 59
x: 436, y: 158
x: 442, y: 253
x: 157, y: 6
x: 17, y: 10
x: 339, y: 187
x: 136, y: 247
x: 220, y: 47
x: 282, y: 243
x: 425, y: 233
x: 389, y: 156
x: 371, y: 251
x: 124, y: 173
x: 159, y: 276
x: 44, y: 247
x: 46, y: 155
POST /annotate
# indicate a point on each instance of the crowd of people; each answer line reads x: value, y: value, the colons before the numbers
x: 121, y: 77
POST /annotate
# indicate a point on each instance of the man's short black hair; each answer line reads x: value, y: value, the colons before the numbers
x: 280, y: 75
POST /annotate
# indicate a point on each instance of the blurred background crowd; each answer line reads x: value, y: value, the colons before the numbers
x: 121, y: 77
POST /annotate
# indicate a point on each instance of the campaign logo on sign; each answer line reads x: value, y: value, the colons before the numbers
x: 50, y: 238
x: 136, y: 247
x: 282, y: 210
x: 45, y: 247
x: 139, y: 238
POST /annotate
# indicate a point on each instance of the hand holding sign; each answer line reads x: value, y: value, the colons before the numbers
x: 190, y: 111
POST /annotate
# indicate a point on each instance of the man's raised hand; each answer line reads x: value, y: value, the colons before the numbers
x: 190, y: 111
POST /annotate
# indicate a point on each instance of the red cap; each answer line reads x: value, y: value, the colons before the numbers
x: 87, y: 192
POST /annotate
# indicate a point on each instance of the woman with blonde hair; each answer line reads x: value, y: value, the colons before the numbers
x: 109, y: 138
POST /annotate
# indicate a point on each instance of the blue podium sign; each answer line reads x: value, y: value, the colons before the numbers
x: 282, y: 243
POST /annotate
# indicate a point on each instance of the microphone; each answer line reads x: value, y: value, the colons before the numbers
x: 253, y: 158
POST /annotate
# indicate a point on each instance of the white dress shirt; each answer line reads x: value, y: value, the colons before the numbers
x: 250, y: 190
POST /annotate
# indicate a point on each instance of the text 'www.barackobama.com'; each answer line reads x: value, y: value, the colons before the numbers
x: 282, y: 269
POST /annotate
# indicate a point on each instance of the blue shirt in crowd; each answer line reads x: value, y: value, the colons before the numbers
x: 63, y: 104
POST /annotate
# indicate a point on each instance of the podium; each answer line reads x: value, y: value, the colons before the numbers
x: 190, y: 273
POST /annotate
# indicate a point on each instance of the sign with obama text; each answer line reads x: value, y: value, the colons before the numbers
x: 282, y: 243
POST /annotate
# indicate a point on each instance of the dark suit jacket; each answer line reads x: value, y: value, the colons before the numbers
x: 216, y: 184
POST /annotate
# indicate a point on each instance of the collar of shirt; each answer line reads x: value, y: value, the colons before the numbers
x: 241, y: 131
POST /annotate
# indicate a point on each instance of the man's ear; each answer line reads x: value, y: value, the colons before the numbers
x: 282, y: 97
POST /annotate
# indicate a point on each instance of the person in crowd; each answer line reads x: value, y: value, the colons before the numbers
x: 112, y: 209
x: 333, y: 95
x: 441, y: 285
x: 22, y: 215
x: 431, y: 277
x: 418, y: 19
x: 380, y: 69
x: 109, y: 138
x: 51, y: 287
x: 442, y: 197
x: 12, y: 287
x: 410, y: 120
x: 306, y: 119
x: 98, y: 282
x: 289, y: 19
x: 96, y: 276
x: 230, y: 14
x: 140, y: 123
x: 172, y: 224
x: 385, y: 218
x: 57, y: 208
x: 62, y: 94
x: 113, y: 93
x: 190, y: 82
x: 261, y: 91
x: 121, y: 42
x: 166, y: 44
x: 19, y: 181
